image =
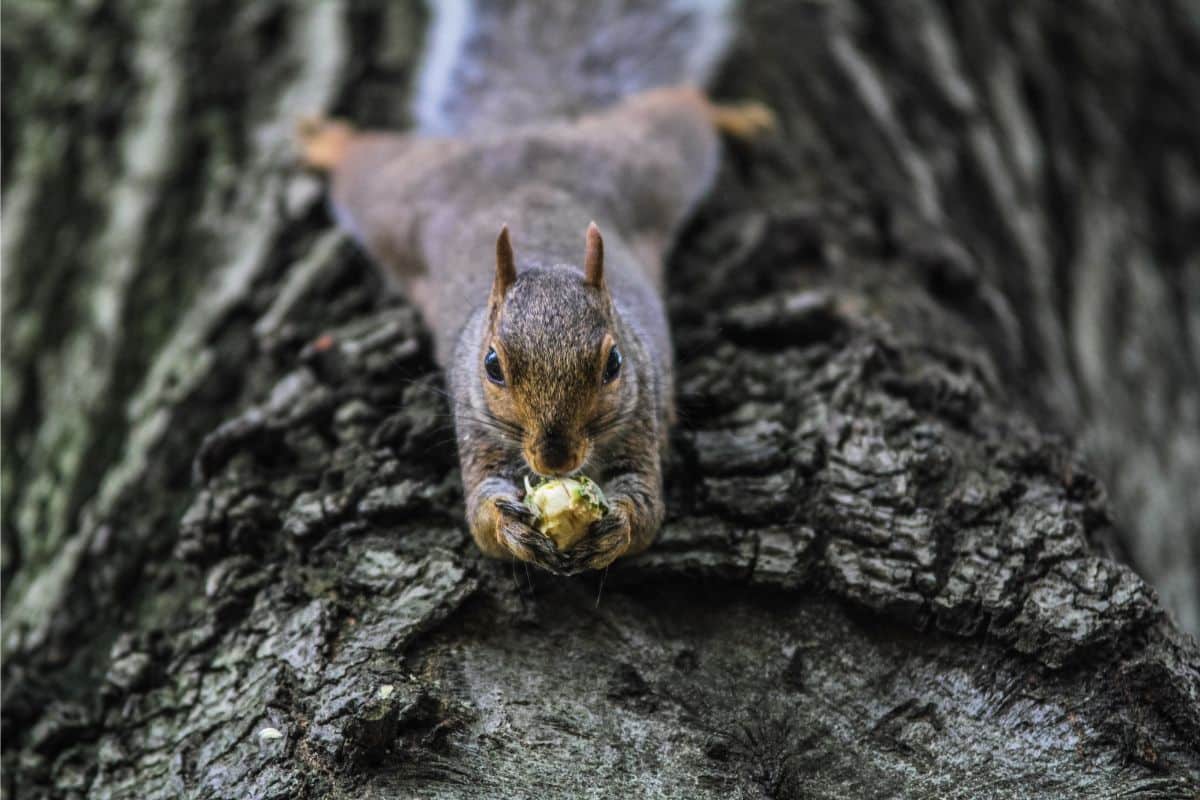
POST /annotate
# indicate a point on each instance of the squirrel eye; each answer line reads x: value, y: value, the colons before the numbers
x: 491, y: 365
x: 613, y: 366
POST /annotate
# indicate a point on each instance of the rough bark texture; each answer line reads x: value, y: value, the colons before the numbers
x: 234, y: 559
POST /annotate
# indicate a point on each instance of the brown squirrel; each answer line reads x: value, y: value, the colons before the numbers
x: 557, y: 355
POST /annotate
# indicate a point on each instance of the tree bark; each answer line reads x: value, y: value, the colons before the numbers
x: 918, y: 333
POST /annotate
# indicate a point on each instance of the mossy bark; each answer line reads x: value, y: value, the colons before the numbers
x: 918, y: 333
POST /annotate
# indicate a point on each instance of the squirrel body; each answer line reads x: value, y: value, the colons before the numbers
x: 557, y: 352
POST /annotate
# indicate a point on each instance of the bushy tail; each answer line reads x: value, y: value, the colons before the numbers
x: 499, y: 63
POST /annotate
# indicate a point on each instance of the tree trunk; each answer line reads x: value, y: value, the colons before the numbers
x: 918, y: 333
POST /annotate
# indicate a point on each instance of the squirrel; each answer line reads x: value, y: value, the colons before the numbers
x: 557, y: 353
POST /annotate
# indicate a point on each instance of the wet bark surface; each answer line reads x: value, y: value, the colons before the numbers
x: 234, y: 558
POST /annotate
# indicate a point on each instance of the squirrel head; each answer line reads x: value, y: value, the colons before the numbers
x: 551, y: 363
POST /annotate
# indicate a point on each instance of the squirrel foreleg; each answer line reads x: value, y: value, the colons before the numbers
x: 629, y: 528
x: 503, y: 527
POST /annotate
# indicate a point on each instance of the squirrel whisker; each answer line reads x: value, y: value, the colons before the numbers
x: 610, y: 422
x: 506, y: 430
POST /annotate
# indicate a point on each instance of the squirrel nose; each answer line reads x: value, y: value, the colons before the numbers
x: 554, y: 455
x: 554, y: 452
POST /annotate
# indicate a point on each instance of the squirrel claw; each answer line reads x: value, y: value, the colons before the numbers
x: 607, y: 540
x: 745, y: 121
x: 323, y: 142
x: 515, y: 510
x: 516, y: 534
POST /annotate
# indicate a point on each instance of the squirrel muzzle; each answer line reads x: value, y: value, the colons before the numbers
x: 555, y: 454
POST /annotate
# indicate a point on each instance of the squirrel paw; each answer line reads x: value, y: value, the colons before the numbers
x: 323, y: 142
x: 607, y: 540
x: 516, y: 534
x: 746, y: 121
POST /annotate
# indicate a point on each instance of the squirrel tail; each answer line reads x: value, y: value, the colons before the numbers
x: 489, y: 64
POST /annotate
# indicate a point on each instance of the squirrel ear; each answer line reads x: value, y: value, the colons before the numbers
x: 593, y: 261
x: 506, y: 269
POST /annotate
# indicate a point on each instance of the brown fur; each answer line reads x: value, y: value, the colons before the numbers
x: 427, y: 208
